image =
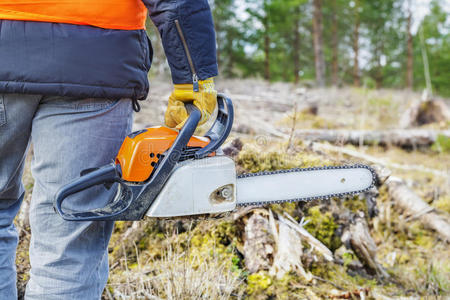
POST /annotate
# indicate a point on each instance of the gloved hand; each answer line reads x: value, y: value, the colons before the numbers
x: 205, y: 100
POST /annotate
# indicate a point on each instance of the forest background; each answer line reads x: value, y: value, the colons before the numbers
x: 374, y: 44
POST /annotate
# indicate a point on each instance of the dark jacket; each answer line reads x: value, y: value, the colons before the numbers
x: 85, y: 61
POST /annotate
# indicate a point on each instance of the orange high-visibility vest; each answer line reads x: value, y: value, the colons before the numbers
x: 109, y: 14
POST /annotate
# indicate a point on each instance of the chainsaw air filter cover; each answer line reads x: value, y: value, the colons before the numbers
x: 142, y: 150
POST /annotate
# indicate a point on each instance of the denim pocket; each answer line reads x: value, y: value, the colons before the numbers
x: 2, y: 111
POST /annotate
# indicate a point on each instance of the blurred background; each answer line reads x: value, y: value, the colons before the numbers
x: 375, y: 44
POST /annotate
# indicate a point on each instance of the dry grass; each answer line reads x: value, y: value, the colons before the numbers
x: 178, y: 274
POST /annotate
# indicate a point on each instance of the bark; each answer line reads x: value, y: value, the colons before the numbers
x: 318, y: 43
x: 296, y: 45
x: 358, y: 238
x: 405, y: 138
x: 334, y: 43
x: 258, y: 244
x: 356, y: 78
x: 412, y: 205
x: 379, y: 72
x: 409, y: 64
x: 266, y: 48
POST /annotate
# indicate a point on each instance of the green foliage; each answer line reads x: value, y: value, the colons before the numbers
x: 437, y: 44
x: 254, y: 34
x: 442, y: 144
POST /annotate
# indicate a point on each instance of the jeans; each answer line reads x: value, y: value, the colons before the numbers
x: 69, y: 260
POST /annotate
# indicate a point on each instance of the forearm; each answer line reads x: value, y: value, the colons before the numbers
x: 187, y: 33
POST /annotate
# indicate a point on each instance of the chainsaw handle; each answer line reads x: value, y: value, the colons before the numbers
x: 221, y: 128
x: 100, y: 176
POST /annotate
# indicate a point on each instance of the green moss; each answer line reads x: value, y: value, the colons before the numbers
x: 258, y: 282
x: 355, y: 204
x: 380, y: 101
x: 253, y: 161
x: 443, y: 203
x: 442, y: 144
x: 322, y: 227
x: 424, y: 241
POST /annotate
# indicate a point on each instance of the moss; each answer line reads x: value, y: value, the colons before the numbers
x: 258, y: 283
x: 424, y: 241
x: 443, y: 203
x: 442, y: 144
x: 289, y: 208
x: 355, y: 203
x: 290, y: 286
x: 305, y: 119
x: 253, y: 161
x: 323, y: 227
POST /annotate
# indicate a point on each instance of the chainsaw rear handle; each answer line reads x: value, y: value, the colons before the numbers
x: 117, y: 208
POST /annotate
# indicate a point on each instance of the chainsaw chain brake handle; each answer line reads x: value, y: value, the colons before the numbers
x: 132, y: 200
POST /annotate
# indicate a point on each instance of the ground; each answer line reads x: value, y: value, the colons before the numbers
x: 203, y: 259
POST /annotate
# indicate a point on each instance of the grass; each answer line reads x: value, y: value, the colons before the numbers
x: 179, y: 272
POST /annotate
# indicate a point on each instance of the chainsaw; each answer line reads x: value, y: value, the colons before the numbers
x: 163, y: 172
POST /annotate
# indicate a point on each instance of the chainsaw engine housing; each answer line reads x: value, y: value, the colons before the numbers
x: 141, y: 151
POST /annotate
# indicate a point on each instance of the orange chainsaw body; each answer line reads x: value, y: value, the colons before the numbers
x: 140, y: 151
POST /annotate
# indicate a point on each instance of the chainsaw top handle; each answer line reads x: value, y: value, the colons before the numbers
x: 132, y: 201
x: 221, y: 128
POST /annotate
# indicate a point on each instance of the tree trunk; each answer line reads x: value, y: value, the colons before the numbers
x: 379, y: 67
x: 334, y: 42
x: 405, y: 138
x: 266, y: 48
x: 318, y: 43
x: 356, y: 79
x: 413, y: 206
x: 296, y: 45
x: 409, y: 64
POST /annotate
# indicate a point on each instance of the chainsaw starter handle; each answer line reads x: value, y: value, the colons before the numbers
x: 221, y: 128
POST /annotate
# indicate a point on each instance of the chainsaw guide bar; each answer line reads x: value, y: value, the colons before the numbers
x: 311, y: 198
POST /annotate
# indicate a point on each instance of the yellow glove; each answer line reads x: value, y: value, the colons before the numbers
x: 205, y: 100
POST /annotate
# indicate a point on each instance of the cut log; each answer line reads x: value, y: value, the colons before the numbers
x: 404, y: 138
x: 288, y: 256
x: 425, y: 112
x: 258, y: 244
x: 413, y: 206
x: 375, y: 160
x: 358, y: 238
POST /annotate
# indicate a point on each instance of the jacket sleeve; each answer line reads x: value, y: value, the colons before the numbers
x: 187, y: 33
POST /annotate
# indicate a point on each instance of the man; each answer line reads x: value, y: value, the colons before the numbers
x: 70, y: 73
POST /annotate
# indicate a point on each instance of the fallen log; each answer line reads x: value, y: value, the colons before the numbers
x: 375, y: 160
x: 357, y: 237
x: 404, y: 138
x: 401, y: 194
x: 414, y: 207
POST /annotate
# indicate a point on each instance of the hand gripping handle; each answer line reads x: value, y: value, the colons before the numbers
x: 221, y: 128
